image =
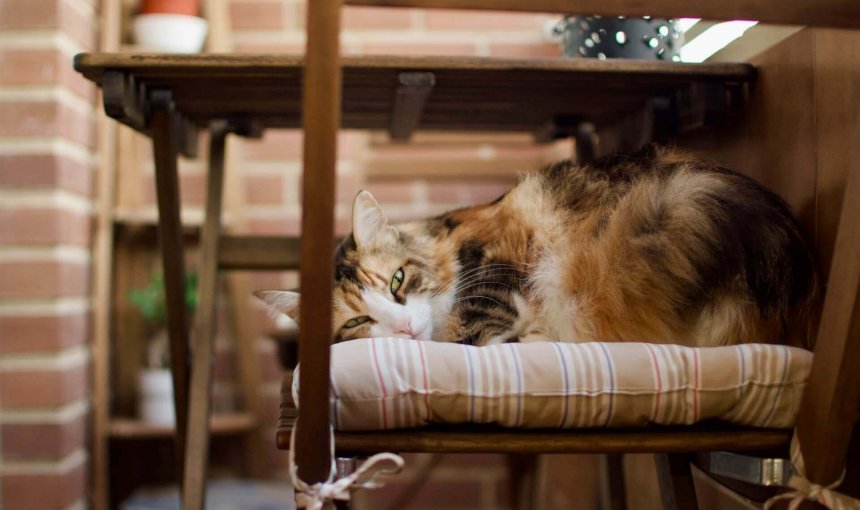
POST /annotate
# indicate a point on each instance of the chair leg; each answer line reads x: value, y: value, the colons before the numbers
x: 197, y: 447
x: 164, y: 144
x: 616, y: 489
x: 523, y: 473
x: 676, y: 481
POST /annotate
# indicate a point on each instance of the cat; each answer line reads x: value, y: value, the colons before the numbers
x: 656, y: 247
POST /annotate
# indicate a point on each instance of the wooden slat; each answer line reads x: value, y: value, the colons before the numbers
x: 321, y: 106
x: 203, y: 335
x: 172, y: 258
x: 495, y: 440
x: 102, y: 276
x: 219, y: 424
x: 258, y: 252
x: 412, y: 92
x: 834, y: 13
x: 829, y: 410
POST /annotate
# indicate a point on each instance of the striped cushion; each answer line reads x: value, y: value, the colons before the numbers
x: 387, y: 383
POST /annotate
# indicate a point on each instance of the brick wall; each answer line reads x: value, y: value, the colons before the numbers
x: 46, y: 165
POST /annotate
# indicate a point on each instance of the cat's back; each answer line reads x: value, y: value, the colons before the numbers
x: 680, y: 241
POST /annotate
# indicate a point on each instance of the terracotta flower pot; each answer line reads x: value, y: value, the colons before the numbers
x: 186, y: 7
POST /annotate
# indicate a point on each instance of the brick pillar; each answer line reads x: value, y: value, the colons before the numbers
x: 46, y: 166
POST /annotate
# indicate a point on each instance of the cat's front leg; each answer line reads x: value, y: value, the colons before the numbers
x: 484, y: 321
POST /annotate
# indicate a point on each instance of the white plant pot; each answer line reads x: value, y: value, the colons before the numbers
x: 155, y: 399
x: 170, y: 33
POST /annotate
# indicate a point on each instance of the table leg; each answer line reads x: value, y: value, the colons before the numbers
x: 203, y: 334
x: 164, y: 143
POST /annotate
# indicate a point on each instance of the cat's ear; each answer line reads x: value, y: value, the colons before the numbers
x: 281, y: 301
x: 368, y: 220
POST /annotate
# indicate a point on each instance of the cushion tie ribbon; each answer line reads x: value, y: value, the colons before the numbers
x: 805, y: 490
x: 373, y: 474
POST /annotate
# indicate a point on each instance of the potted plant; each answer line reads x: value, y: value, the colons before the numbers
x: 155, y: 384
x: 171, y: 26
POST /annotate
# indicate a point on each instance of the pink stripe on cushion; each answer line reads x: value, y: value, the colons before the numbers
x: 384, y: 399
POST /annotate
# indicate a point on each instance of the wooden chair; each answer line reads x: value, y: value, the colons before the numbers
x: 171, y: 97
x: 829, y: 409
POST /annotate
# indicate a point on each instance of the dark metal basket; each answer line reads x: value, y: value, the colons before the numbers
x: 640, y: 38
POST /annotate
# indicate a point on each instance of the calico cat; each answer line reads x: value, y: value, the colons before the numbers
x: 657, y: 247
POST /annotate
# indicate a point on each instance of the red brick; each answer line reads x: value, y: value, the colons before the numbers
x: 192, y: 188
x: 42, y: 441
x: 80, y: 26
x: 27, y: 67
x: 43, y: 118
x: 45, y: 171
x: 44, y: 226
x: 269, y: 365
x: 474, y: 192
x: 43, y: 333
x: 20, y: 280
x: 17, y: 14
x: 274, y: 226
x: 376, y: 18
x: 512, y: 50
x: 264, y: 189
x: 275, y: 145
x: 28, y: 389
x: 43, y: 491
x: 257, y: 14
x: 348, y: 186
x: 473, y: 21
x: 419, y: 48
x: 393, y: 192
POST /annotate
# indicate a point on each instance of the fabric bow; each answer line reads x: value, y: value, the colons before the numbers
x: 804, y: 490
x: 372, y: 474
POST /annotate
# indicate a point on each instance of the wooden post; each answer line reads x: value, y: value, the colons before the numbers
x: 197, y: 447
x: 829, y: 409
x: 321, y: 120
x: 676, y: 481
x: 102, y: 277
x: 164, y: 142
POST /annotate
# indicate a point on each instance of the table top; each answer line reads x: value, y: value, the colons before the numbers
x: 466, y: 93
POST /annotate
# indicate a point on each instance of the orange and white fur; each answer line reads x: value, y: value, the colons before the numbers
x: 657, y: 247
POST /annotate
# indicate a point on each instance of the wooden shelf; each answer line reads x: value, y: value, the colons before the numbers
x: 192, y: 217
x: 221, y: 424
x: 466, y: 93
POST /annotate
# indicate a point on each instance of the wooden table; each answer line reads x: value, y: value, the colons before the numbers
x: 170, y: 98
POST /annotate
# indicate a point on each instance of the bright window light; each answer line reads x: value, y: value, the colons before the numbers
x: 713, y: 40
x: 685, y: 24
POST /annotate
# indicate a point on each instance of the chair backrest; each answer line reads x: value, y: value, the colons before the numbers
x: 831, y: 400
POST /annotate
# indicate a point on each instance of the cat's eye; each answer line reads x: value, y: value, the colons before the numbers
x: 356, y: 321
x: 396, y: 281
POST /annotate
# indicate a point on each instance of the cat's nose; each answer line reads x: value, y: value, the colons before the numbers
x: 405, y: 328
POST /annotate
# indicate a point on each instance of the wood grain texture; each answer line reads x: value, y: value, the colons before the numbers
x: 322, y: 109
x: 258, y: 252
x: 470, y: 93
x: 203, y: 334
x: 488, y: 440
x: 834, y: 13
x: 172, y: 258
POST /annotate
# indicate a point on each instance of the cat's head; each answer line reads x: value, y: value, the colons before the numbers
x: 384, y: 281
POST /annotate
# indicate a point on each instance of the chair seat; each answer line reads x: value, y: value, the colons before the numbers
x: 486, y: 439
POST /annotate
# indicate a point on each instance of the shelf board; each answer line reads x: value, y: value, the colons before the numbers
x: 477, y: 94
x: 220, y: 425
x: 192, y: 217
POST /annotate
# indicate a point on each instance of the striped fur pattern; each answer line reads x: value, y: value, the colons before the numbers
x: 389, y: 383
x: 657, y: 247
